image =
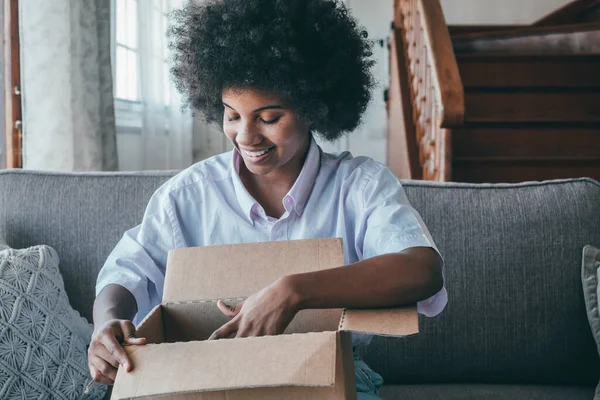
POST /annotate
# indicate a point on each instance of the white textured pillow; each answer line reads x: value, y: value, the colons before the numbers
x: 43, y: 341
x: 590, y: 276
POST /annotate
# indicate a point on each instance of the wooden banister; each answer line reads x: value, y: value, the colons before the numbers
x: 445, y: 75
x: 436, y: 88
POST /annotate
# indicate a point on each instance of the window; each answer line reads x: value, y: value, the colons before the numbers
x: 126, y: 50
x: 140, y: 59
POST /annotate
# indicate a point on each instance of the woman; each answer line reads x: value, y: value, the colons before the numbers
x: 273, y: 73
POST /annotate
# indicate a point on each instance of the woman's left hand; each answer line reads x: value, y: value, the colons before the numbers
x: 267, y: 312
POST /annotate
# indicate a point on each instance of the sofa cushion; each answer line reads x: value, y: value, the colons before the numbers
x: 590, y: 278
x: 516, y: 312
x: 43, y: 341
x: 488, y: 392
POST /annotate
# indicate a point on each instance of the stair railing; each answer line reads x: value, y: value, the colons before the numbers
x: 436, y: 89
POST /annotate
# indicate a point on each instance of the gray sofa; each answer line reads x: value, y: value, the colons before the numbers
x: 515, y: 326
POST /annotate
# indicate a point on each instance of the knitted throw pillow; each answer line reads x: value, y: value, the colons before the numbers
x: 590, y: 277
x: 43, y: 341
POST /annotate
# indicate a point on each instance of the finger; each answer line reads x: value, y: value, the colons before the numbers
x: 230, y: 311
x: 102, y: 371
x: 115, y: 349
x: 105, y: 355
x: 249, y: 331
x: 225, y: 331
x: 129, y: 334
x: 99, y: 378
x: 243, y: 333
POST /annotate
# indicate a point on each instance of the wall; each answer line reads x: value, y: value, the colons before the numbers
x: 369, y: 138
x: 495, y: 12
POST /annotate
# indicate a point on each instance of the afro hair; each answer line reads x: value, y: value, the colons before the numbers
x: 310, y: 52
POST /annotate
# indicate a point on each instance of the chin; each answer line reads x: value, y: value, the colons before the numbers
x: 259, y: 169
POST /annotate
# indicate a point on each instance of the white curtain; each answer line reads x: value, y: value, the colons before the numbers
x: 164, y: 140
x: 68, y: 114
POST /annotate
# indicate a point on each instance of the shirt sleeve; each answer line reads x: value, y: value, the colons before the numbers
x: 391, y: 225
x: 138, y: 261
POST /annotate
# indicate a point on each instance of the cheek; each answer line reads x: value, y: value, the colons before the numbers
x: 290, y: 133
x: 229, y: 131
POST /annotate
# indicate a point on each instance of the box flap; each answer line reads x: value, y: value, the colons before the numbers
x: 151, y: 326
x: 401, y: 321
x: 232, y: 271
x: 270, y: 361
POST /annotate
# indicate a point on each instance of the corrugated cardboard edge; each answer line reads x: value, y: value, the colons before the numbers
x: 216, y: 365
x: 402, y: 321
x: 347, y: 356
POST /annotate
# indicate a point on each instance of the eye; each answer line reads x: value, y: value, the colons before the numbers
x: 272, y: 121
x: 234, y: 118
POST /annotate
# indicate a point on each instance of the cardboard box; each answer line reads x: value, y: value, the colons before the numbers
x: 311, y: 360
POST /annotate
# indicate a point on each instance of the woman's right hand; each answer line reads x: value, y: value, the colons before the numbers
x: 105, y: 353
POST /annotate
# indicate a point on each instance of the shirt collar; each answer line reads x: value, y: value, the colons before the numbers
x: 302, y: 188
x: 245, y: 200
x: 295, y: 200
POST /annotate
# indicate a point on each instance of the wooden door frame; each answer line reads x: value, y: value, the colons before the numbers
x: 2, y: 100
x: 12, y: 85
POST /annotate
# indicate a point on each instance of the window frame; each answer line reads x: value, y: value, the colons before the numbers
x: 129, y: 114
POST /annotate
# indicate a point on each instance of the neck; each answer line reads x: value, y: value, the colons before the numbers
x: 269, y: 190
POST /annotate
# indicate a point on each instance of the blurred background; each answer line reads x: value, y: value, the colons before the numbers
x: 467, y: 90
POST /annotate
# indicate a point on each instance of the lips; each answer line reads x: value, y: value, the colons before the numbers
x: 258, y: 153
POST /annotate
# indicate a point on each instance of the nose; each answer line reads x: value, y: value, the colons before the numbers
x: 248, y: 134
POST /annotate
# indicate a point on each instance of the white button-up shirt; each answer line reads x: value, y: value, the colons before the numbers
x: 207, y: 204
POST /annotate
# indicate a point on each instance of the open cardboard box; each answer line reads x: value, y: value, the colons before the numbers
x: 311, y: 360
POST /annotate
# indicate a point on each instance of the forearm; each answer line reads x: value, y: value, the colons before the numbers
x: 114, y: 302
x: 388, y: 280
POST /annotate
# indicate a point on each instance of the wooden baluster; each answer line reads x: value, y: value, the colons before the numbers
x: 435, y: 156
x: 434, y: 84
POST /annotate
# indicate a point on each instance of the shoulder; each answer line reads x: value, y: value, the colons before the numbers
x: 362, y: 178
x: 198, y: 176
x: 352, y: 169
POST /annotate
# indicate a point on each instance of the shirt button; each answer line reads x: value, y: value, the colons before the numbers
x: 288, y: 201
x: 279, y: 233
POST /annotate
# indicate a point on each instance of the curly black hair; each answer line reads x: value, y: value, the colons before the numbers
x: 310, y: 52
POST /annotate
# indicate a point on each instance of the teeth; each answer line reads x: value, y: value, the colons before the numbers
x: 257, y: 153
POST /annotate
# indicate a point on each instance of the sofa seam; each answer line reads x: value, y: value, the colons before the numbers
x: 495, y: 186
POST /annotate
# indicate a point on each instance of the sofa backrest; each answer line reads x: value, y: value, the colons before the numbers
x: 512, y: 268
x: 81, y: 215
x: 516, y: 312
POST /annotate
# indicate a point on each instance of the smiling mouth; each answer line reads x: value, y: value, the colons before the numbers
x: 258, y: 153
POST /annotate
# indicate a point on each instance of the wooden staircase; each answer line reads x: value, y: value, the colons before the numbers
x: 508, y: 105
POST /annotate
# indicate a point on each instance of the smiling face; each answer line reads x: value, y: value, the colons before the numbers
x: 268, y: 134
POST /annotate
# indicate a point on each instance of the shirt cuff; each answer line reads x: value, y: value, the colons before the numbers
x: 435, y: 304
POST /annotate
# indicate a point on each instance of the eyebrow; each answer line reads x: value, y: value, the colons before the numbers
x: 271, y: 107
